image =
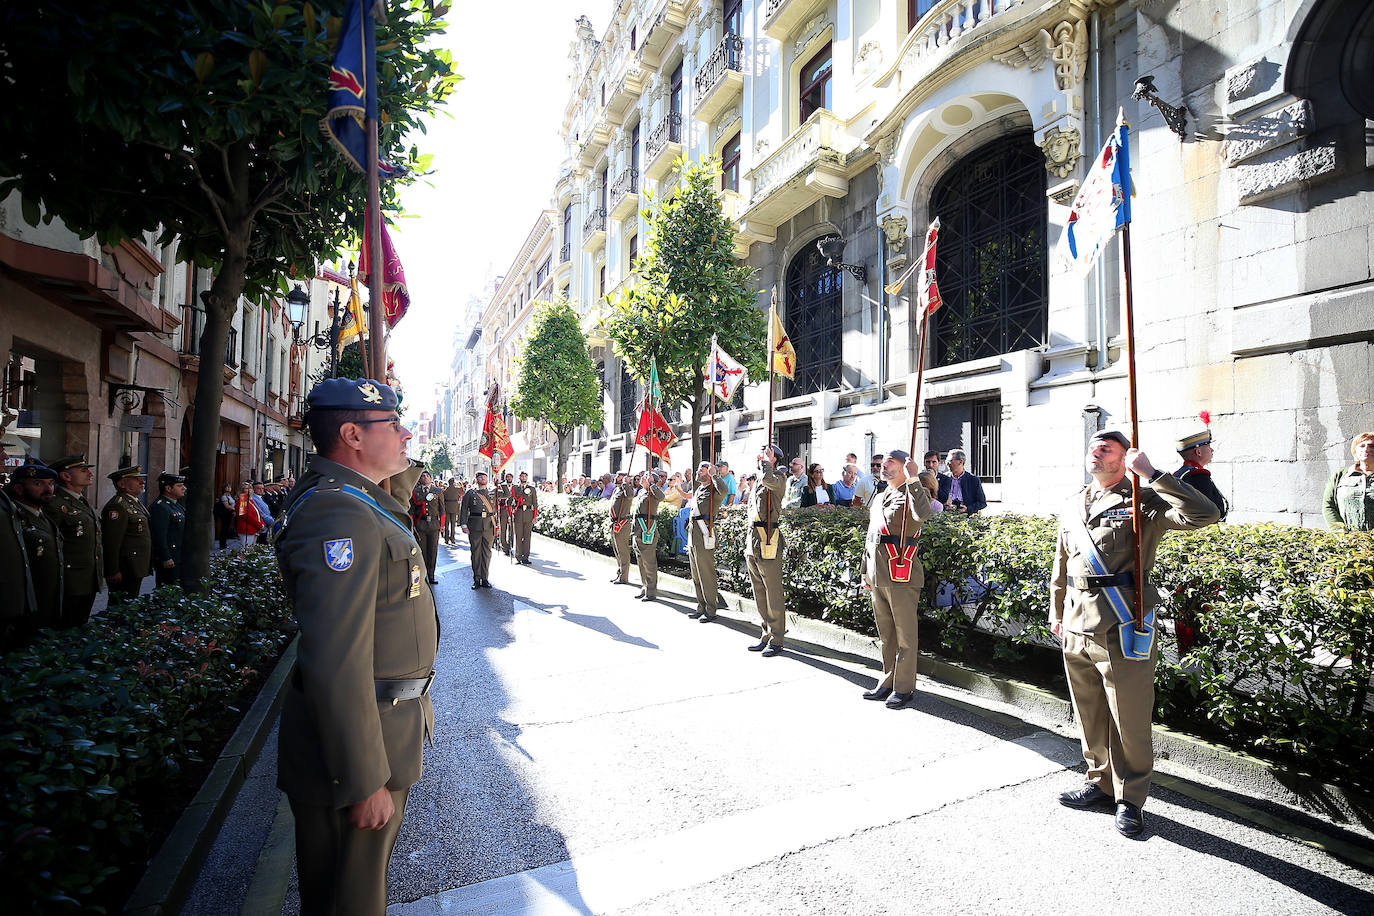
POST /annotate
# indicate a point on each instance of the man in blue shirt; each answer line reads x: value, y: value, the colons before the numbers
x: 727, y: 477
x: 259, y: 500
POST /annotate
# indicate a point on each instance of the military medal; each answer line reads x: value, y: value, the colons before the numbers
x: 414, y: 582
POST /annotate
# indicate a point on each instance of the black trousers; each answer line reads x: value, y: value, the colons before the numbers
x: 76, y: 610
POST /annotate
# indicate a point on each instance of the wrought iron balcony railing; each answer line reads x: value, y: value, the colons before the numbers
x: 595, y: 222
x: 724, y: 58
x: 625, y: 185
x: 565, y: 253
x: 669, y: 130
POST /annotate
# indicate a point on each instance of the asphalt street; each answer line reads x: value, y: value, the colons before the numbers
x: 598, y: 754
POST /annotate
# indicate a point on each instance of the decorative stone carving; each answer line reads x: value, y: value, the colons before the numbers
x: 1070, y: 52
x: 810, y: 32
x: 725, y: 124
x: 870, y: 57
x: 894, y: 228
x: 887, y: 148
x: 1062, y: 150
x: 1034, y: 52
x: 761, y: 147
x: 1064, y: 194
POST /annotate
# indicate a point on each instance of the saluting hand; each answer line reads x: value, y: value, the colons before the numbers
x: 1138, y: 464
x: 373, y: 812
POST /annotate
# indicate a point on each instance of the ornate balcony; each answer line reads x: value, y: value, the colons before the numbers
x: 594, y: 230
x: 626, y: 92
x: 663, y: 146
x: 781, y: 18
x: 808, y: 166
x: 625, y: 194
x: 597, y: 140
x: 719, y: 81
x: 943, y: 32
x: 565, y: 253
x: 664, y: 32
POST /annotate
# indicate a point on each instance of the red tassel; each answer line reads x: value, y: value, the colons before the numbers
x: 1206, y: 417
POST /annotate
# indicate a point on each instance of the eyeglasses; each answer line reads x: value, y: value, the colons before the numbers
x: 395, y: 423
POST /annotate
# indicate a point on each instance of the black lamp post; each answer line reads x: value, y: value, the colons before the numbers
x: 832, y: 249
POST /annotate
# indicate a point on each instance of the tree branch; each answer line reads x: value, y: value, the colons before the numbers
x: 217, y: 202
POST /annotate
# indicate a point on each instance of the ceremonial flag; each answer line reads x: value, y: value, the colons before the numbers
x: 784, y: 355
x: 395, y: 296
x: 354, y: 325
x: 352, y: 88
x: 723, y: 373
x: 1102, y: 206
x: 655, y: 390
x: 654, y: 433
x: 495, y: 444
x: 928, y: 295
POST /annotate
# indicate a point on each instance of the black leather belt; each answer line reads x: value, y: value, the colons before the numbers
x: 897, y: 539
x: 1088, y: 583
x: 478, y: 514
x: 620, y: 518
x: 404, y: 688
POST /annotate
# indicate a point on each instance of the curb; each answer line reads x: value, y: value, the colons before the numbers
x: 1301, y: 808
x: 172, y: 872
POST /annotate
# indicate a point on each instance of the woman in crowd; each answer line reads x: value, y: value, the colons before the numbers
x: 1349, y: 498
x: 746, y: 488
x: 816, y: 492
x: 674, y: 495
x: 961, y: 492
x: 224, y: 516
x: 932, y: 485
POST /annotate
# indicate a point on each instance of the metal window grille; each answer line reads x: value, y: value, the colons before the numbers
x: 814, y: 322
x: 629, y: 402
x: 987, y: 440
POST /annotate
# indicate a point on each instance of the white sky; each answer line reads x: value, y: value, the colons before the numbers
x: 496, y: 159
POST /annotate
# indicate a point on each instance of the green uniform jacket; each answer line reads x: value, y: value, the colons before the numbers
x: 622, y: 499
x: 702, y: 498
x: 644, y: 513
x: 453, y: 498
x: 427, y: 518
x: 44, y: 546
x: 1166, y: 503
x: 478, y: 511
x: 886, y: 511
x: 357, y: 583
x: 16, y: 579
x: 128, y: 540
x: 765, y: 506
x: 81, y: 547
x: 168, y: 523
x: 526, y: 501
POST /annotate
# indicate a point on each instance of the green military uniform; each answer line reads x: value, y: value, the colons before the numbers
x: 893, y: 573
x: 504, y: 526
x: 425, y: 503
x: 128, y: 541
x: 81, y: 547
x: 167, y: 519
x: 707, y: 499
x: 453, y: 499
x: 43, y: 544
x: 525, y: 502
x: 478, y: 515
x: 1113, y: 697
x: 764, y: 546
x: 19, y: 610
x: 357, y: 713
x: 622, y: 527
x: 644, y: 514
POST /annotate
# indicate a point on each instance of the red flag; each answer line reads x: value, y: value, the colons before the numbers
x: 495, y: 436
x: 654, y: 433
x: 929, y: 293
x: 395, y: 296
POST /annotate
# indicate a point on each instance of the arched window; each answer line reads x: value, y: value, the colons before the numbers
x: 991, y: 261
x: 814, y: 321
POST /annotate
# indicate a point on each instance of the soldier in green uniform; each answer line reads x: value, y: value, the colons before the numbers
x: 710, y: 494
x: 128, y: 542
x: 453, y: 499
x: 504, y: 528
x: 357, y: 714
x: 1109, y: 664
x: 167, y: 519
x: 764, y: 545
x: 19, y: 610
x: 525, y: 501
x: 425, y: 505
x: 622, y: 526
x: 479, y: 519
x: 893, y: 574
x: 83, y: 577
x: 31, y: 488
x: 644, y: 514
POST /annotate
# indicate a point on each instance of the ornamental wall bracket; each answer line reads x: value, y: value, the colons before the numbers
x: 1175, y: 118
x: 1063, y: 149
x: 1034, y: 52
x: 130, y: 398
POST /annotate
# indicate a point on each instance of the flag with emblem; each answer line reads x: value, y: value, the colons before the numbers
x: 352, y: 89
x: 395, y: 295
x: 495, y: 444
x: 928, y: 294
x: 723, y: 373
x: 784, y: 355
x: 354, y: 326
x: 1102, y: 206
x: 654, y: 433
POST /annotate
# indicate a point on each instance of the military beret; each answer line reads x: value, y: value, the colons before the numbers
x: 777, y: 452
x: 166, y: 480
x: 898, y: 455
x: 71, y: 462
x: 1196, y: 439
x: 1110, y: 435
x: 33, y: 470
x: 133, y: 470
x: 351, y: 394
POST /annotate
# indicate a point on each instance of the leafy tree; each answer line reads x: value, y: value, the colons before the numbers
x: 558, y: 381
x: 438, y: 454
x: 690, y: 287
x: 201, y: 122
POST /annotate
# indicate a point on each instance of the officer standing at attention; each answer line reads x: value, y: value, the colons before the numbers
x: 1111, y: 667
x: 1196, y: 452
x: 622, y: 527
x: 525, y: 501
x: 763, y: 551
x: 644, y: 513
x: 19, y: 610
x: 127, y: 540
x: 167, y: 519
x: 453, y: 498
x: 80, y: 527
x: 480, y: 521
x: 503, y: 513
x: 893, y: 573
x: 31, y: 488
x: 425, y: 503
x: 708, y: 497
x: 354, y: 722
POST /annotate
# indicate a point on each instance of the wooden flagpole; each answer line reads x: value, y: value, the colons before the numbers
x: 1135, y: 424
x: 376, y: 342
x: 772, y: 312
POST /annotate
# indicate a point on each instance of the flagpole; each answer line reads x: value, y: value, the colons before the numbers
x: 376, y: 342
x: 772, y: 313
x: 1135, y: 426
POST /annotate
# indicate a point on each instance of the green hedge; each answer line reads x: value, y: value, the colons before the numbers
x: 105, y: 731
x: 1267, y: 628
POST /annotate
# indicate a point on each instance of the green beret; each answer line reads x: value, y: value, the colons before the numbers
x: 352, y: 394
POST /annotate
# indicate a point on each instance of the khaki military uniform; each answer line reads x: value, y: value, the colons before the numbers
x: 81, y: 555
x: 367, y: 623
x: 1113, y: 697
x: 128, y: 544
x: 896, y: 578
x: 622, y: 527
x: 478, y: 513
x: 763, y: 552
x: 43, y: 545
x: 644, y: 514
x: 525, y: 499
x: 167, y: 521
x: 503, y: 516
x: 701, y: 546
x: 425, y: 503
x: 19, y: 609
x: 453, y: 499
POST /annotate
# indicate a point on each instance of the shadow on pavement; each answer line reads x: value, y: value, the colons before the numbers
x: 592, y: 622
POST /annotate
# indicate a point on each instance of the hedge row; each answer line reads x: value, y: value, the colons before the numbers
x: 1267, y: 628
x: 104, y: 731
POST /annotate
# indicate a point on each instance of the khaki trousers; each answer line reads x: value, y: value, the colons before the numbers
x: 620, y: 542
x: 342, y: 869
x: 524, y: 532
x: 1113, y: 700
x: 766, y: 578
x: 648, y: 565
x: 479, y: 552
x: 894, y: 611
x: 429, y: 547
x: 703, y: 560
x: 504, y: 539
x: 451, y: 522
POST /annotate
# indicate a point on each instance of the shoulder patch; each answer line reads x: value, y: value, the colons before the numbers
x: 338, y: 554
x: 112, y: 514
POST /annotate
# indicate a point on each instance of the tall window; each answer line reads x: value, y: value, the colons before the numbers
x: 814, y: 321
x: 601, y: 282
x: 915, y: 9
x: 734, y: 17
x: 634, y: 149
x: 629, y: 401
x: 567, y: 225
x: 992, y: 260
x: 729, y: 165
x: 815, y: 83
x: 541, y: 276
x: 675, y: 90
x: 634, y: 250
x: 605, y: 173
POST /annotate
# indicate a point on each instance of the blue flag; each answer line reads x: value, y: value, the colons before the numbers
x: 353, y: 85
x: 1102, y: 206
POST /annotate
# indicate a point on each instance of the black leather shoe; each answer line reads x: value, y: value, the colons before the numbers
x: 433, y: 581
x: 759, y: 646
x: 1130, y: 820
x: 1085, y: 796
x: 694, y: 615
x: 707, y: 618
x: 476, y: 585
x: 878, y: 693
x: 486, y: 583
x: 898, y: 700
x: 648, y: 597
x: 771, y: 651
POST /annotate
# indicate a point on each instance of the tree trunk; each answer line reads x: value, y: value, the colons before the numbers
x: 562, y: 461
x: 219, y: 303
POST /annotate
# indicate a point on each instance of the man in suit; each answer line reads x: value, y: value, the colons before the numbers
x: 764, y: 545
x: 354, y: 722
x: 127, y: 537
x: 81, y: 548
x: 961, y: 492
x: 167, y: 521
x: 479, y: 519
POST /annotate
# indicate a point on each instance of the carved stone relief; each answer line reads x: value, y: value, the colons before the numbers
x: 870, y: 57
x: 1070, y: 53
x: 810, y: 32
x: 1034, y: 52
x: 894, y: 228
x: 725, y: 124
x: 1062, y: 150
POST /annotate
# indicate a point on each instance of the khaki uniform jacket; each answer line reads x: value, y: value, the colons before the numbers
x: 453, y: 498
x: 887, y: 509
x: 167, y: 519
x: 366, y: 614
x: 765, y: 505
x: 622, y: 502
x: 526, y: 501
x: 81, y: 546
x: 1166, y: 503
x: 128, y: 539
x: 644, y: 511
x: 707, y: 498
x: 477, y: 511
x: 427, y: 518
x: 44, y: 547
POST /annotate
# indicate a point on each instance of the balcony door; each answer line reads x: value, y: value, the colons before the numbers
x: 734, y: 17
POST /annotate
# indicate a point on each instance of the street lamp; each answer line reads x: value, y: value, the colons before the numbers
x: 296, y: 303
x: 832, y: 249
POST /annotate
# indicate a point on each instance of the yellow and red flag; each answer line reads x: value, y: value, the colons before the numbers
x: 354, y: 325
x: 784, y: 355
x: 496, y: 444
